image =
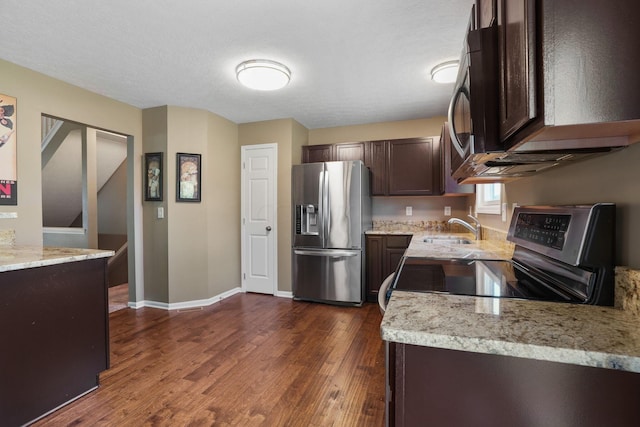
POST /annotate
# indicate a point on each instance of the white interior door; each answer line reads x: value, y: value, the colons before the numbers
x: 259, y: 209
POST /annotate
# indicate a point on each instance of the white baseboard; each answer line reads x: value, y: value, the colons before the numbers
x: 197, y: 303
x: 186, y: 304
x: 284, y: 294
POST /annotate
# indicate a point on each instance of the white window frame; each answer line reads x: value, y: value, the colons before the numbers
x: 485, y: 204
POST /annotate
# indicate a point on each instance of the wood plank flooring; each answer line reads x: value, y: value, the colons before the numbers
x: 118, y: 297
x: 250, y: 360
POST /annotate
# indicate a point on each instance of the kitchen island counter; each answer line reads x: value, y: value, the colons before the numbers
x: 21, y: 257
x: 602, y: 337
x: 54, y: 326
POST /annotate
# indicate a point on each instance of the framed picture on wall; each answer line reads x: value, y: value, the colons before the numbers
x: 188, y: 177
x: 8, y: 151
x: 153, y: 177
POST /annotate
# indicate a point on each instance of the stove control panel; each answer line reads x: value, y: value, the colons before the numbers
x: 573, y: 234
x: 544, y: 229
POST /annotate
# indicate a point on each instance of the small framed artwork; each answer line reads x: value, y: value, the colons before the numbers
x: 188, y: 178
x: 153, y: 177
x: 8, y: 151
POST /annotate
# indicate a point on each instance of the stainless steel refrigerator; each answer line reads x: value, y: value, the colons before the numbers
x: 331, y: 211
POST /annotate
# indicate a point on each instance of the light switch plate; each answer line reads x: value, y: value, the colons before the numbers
x: 160, y: 212
x: 409, y: 210
x: 504, y: 212
x: 447, y: 210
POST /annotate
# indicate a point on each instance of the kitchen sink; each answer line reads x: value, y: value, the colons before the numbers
x: 447, y: 240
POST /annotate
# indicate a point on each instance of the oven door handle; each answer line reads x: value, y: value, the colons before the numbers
x: 455, y: 142
x: 382, y: 292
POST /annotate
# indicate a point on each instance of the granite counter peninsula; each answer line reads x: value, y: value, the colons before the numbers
x: 463, y: 360
x: 54, y: 328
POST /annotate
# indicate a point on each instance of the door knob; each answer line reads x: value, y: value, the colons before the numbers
x: 268, y: 228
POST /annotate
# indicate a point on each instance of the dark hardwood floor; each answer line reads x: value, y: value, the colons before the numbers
x: 250, y: 360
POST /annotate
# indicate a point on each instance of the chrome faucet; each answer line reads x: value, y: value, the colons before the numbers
x: 475, y: 230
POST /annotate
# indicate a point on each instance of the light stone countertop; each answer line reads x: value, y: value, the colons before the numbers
x: 585, y: 335
x: 21, y: 257
x: 594, y: 336
x: 477, y: 249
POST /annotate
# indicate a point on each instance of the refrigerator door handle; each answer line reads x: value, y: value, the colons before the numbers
x: 326, y: 212
x: 332, y: 254
x: 321, y: 205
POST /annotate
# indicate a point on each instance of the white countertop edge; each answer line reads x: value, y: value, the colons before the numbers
x: 511, y: 349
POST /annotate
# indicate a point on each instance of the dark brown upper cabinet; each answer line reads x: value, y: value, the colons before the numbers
x: 404, y: 167
x: 333, y: 152
x: 349, y: 151
x: 317, y: 153
x: 412, y: 169
x: 376, y: 161
x: 399, y: 167
x: 568, y: 72
x: 516, y: 47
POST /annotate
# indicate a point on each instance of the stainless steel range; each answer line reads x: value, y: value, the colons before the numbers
x: 562, y: 253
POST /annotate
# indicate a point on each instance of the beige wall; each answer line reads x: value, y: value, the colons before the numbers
x: 154, y: 121
x: 195, y: 249
x: 377, y: 131
x: 37, y: 94
x: 222, y: 191
x: 188, y: 222
x: 614, y: 177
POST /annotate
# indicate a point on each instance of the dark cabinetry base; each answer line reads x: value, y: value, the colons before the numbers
x: 55, y: 341
x: 454, y: 388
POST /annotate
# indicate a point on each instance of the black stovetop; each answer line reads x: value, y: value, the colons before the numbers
x: 489, y: 278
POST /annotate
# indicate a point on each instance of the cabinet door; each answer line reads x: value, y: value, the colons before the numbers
x: 317, y: 153
x: 394, y: 248
x: 374, y: 266
x: 376, y: 160
x: 412, y: 170
x: 349, y: 151
x: 516, y: 44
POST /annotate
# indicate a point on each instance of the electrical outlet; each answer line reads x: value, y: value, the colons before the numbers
x: 447, y: 210
x: 409, y: 210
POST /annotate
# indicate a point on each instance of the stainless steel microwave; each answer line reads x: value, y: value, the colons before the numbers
x: 473, y: 111
x: 478, y: 152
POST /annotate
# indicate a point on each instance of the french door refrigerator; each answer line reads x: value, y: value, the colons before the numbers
x: 331, y: 211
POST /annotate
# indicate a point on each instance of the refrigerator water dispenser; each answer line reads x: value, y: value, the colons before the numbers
x: 307, y: 220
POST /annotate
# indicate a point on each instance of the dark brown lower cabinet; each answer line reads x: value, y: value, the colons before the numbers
x: 383, y: 253
x: 436, y: 387
x: 55, y: 337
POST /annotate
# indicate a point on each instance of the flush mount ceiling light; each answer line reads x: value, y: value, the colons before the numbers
x: 263, y: 74
x: 445, y: 72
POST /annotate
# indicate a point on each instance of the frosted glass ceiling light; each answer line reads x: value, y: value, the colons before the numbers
x: 445, y: 72
x: 262, y: 74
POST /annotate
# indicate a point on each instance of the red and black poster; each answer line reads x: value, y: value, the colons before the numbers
x: 8, y: 151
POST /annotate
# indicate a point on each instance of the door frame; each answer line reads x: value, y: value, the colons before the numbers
x: 243, y: 207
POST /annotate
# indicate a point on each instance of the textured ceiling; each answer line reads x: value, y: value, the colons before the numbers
x: 352, y: 61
